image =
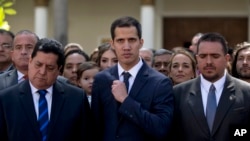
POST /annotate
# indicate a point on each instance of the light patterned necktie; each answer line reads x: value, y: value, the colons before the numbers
x: 211, y: 107
x: 43, y: 117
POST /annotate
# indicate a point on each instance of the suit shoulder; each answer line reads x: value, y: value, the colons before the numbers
x: 185, y: 85
x: 68, y: 87
x: 8, y: 73
x: 10, y: 90
x: 240, y: 83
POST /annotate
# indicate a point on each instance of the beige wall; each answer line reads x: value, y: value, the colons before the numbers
x: 89, y: 20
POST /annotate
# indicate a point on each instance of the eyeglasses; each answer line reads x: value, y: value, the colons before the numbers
x: 6, y: 46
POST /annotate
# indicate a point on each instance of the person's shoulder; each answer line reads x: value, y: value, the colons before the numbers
x: 156, y: 74
x: 62, y: 79
x: 8, y: 73
x: 187, y: 84
x: 239, y: 83
x: 66, y: 86
x: 106, y: 74
x: 12, y: 90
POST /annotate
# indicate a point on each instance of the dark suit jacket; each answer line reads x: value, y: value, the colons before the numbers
x: 9, y: 78
x: 232, y: 111
x: 69, y: 120
x: 146, y: 114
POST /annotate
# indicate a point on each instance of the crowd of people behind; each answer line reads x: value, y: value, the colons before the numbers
x: 122, y: 91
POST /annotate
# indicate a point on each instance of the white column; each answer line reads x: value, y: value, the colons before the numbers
x: 248, y: 21
x: 159, y: 8
x: 41, y: 21
x: 61, y: 21
x: 147, y: 22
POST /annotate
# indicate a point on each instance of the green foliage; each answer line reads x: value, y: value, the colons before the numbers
x: 5, y: 9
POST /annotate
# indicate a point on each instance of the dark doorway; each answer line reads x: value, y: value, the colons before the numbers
x: 178, y: 31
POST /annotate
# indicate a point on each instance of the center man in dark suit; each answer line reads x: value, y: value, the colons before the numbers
x: 212, y: 106
x: 145, y: 110
x: 62, y: 114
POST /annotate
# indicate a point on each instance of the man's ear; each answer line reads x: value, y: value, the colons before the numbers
x: 112, y: 44
x: 141, y: 42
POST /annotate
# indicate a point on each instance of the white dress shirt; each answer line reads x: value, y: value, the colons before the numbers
x: 205, y: 86
x: 133, y: 72
x: 36, y: 97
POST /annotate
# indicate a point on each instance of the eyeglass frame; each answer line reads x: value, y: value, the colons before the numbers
x: 6, y: 46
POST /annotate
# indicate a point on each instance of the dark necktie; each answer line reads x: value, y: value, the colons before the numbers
x: 211, y: 107
x: 126, y: 76
x: 25, y: 77
x: 43, y: 117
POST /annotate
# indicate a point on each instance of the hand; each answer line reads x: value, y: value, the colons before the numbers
x: 119, y: 90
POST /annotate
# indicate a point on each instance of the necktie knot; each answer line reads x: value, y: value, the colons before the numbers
x: 212, y: 88
x: 42, y: 92
x: 126, y: 75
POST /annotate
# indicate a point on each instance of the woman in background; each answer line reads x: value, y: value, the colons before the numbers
x: 106, y: 56
x: 182, y: 66
x: 71, y: 62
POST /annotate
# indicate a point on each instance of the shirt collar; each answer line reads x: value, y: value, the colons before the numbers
x: 218, y: 84
x: 133, y: 71
x: 20, y: 75
x: 34, y: 89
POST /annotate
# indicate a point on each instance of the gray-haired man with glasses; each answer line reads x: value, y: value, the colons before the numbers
x: 6, y: 41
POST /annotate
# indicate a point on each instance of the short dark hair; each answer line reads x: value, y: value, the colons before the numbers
x: 126, y: 22
x: 84, y: 54
x: 3, y: 31
x: 47, y: 45
x: 80, y: 52
x: 213, y: 37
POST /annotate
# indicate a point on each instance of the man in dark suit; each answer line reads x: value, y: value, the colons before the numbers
x: 61, y: 113
x: 23, y: 45
x: 202, y: 114
x: 141, y: 111
x: 6, y: 43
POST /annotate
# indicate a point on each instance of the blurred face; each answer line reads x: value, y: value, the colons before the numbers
x: 211, y: 60
x: 43, y: 70
x: 87, y: 79
x: 5, y: 49
x: 22, y: 48
x: 181, y: 69
x: 70, y: 68
x: 147, y: 56
x: 108, y: 59
x: 243, y: 63
x: 161, y: 63
x: 127, y: 44
x: 193, y: 46
x: 94, y: 57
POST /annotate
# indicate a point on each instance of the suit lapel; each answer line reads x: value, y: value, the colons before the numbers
x: 28, y: 105
x: 196, y: 106
x: 140, y: 80
x: 57, y: 103
x: 226, y: 101
x: 11, y: 78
